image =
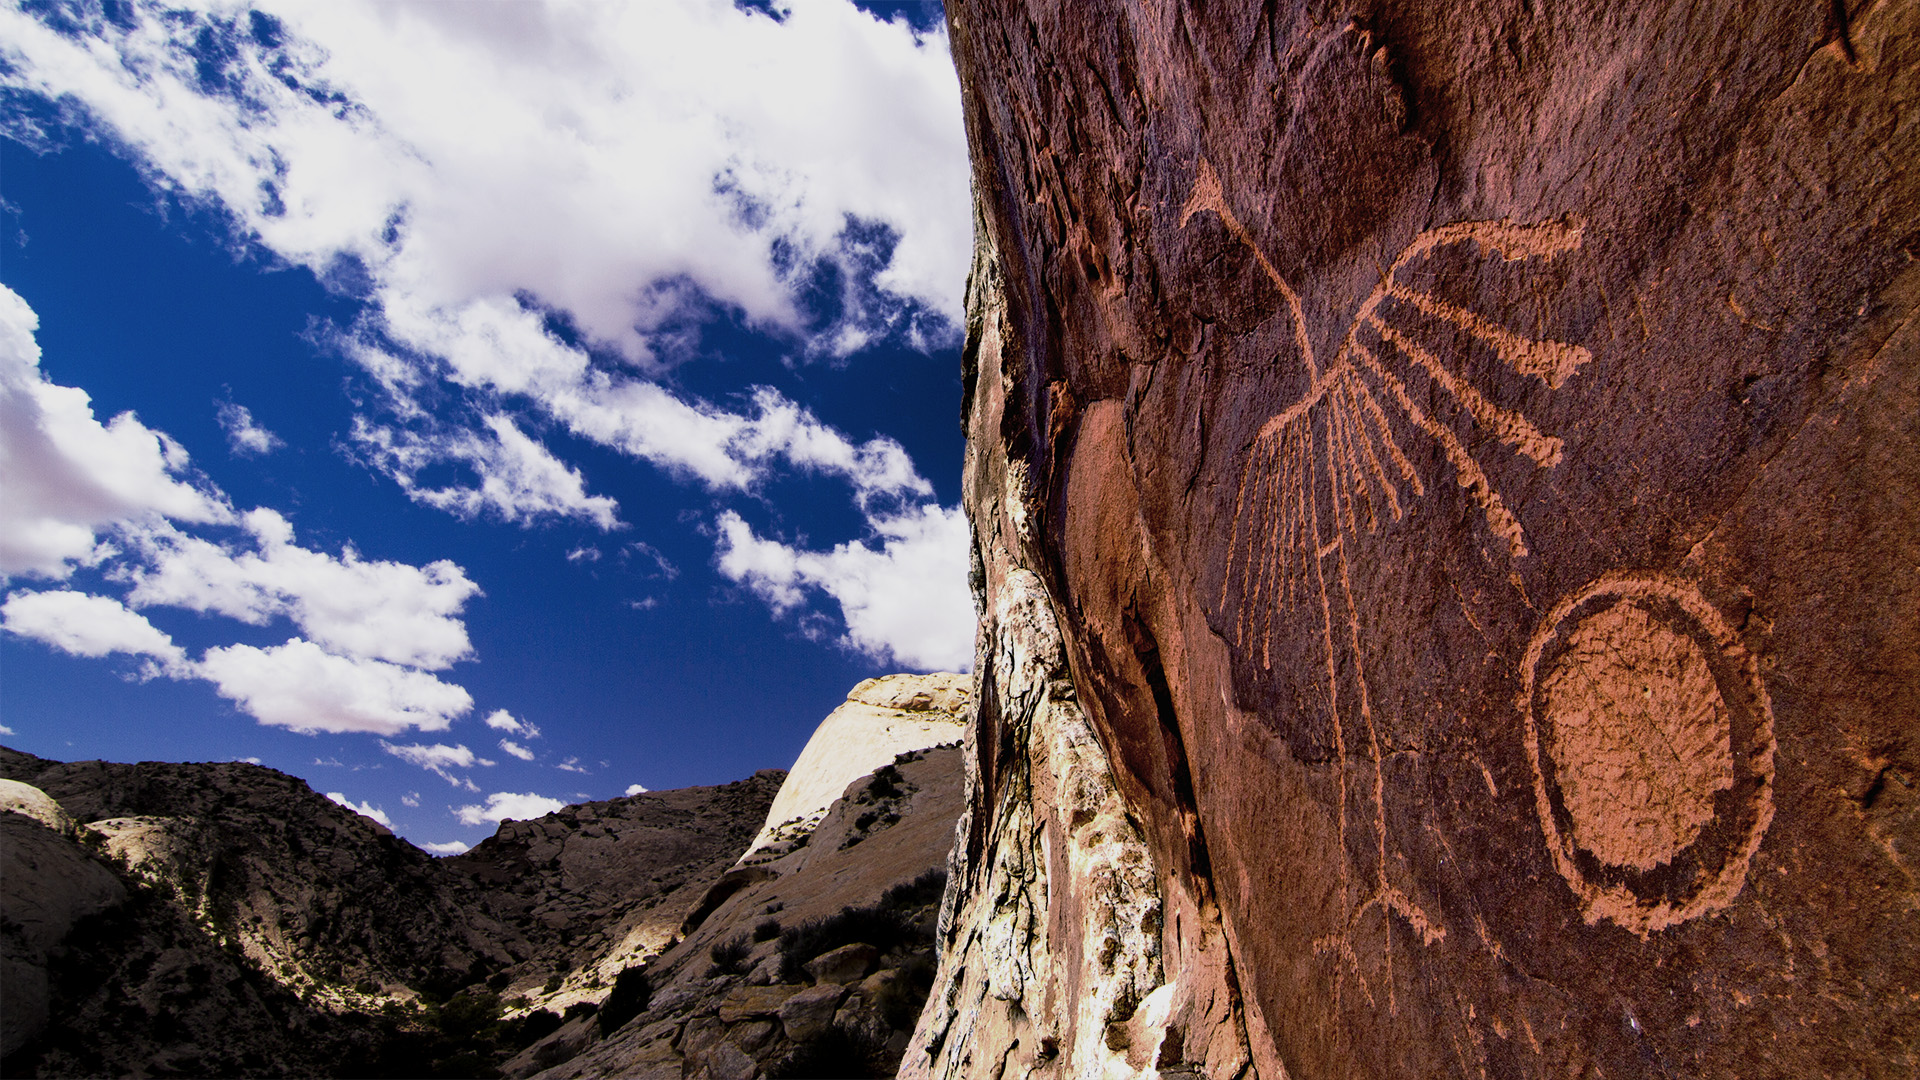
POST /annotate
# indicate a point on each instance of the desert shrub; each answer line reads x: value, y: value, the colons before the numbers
x: 537, y: 1025
x: 730, y: 957
x: 554, y: 983
x: 499, y: 980
x: 881, y: 928
x: 466, y: 1014
x: 767, y: 930
x: 632, y: 990
x: 885, y: 783
x: 836, y: 1055
x: 921, y: 891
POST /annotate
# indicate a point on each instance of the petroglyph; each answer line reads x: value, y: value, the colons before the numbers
x: 1651, y: 739
x: 1640, y: 740
x: 1339, y: 430
x: 1330, y: 467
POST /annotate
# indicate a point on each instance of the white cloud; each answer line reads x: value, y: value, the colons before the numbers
x: 502, y: 720
x: 361, y: 609
x: 66, y: 475
x: 695, y: 142
x: 364, y: 809
x: 244, y: 437
x: 451, y: 847
x: 5, y: 730
x: 906, y: 601
x: 584, y: 553
x: 520, y: 479
x: 502, y: 805
x: 438, y: 758
x: 412, y: 798
x: 636, y: 789
x: 87, y: 625
x: 516, y: 749
x: 300, y: 686
x: 511, y: 186
x: 571, y: 764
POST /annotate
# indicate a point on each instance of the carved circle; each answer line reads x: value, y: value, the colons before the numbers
x: 1651, y: 740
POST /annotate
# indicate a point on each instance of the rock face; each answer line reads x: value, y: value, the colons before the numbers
x: 1452, y: 477
x: 776, y: 971
x: 891, y: 715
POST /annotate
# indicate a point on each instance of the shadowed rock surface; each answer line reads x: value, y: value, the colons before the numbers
x: 225, y: 919
x: 1461, y: 468
x: 812, y: 962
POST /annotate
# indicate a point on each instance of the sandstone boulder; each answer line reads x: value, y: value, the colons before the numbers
x: 808, y: 1014
x: 29, y: 800
x: 846, y: 964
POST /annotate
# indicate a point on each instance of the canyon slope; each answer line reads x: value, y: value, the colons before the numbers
x: 1446, y: 491
x: 224, y: 919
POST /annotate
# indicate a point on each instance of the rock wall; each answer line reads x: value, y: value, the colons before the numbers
x: 1467, y: 461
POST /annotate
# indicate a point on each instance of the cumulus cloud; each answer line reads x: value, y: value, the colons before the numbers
x: 514, y: 748
x: 363, y: 808
x: 904, y: 601
x: 356, y: 608
x: 713, y: 158
x: 303, y: 687
x: 67, y: 475
x: 636, y: 789
x: 244, y: 437
x: 502, y: 720
x: 504, y: 805
x: 437, y: 758
x: 86, y: 625
x: 450, y: 847
x: 519, y: 480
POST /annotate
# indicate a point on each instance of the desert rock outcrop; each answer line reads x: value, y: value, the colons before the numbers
x: 882, y: 717
x: 1470, y: 459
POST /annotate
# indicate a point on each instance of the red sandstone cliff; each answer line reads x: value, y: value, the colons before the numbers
x: 1447, y: 494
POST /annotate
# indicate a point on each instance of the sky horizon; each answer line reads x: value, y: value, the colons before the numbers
x: 472, y: 409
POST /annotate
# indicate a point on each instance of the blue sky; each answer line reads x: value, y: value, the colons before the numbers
x: 468, y: 407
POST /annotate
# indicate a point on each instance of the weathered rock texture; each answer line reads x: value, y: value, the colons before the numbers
x: 1473, y: 454
x: 746, y: 992
x: 882, y: 717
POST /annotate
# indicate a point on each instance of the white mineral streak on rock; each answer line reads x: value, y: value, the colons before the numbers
x: 882, y: 718
x: 1050, y: 932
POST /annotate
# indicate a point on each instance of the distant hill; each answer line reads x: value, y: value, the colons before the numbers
x: 226, y: 919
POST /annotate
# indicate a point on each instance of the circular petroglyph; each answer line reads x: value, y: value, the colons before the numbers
x: 1651, y: 739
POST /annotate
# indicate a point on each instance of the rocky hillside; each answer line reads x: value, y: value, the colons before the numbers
x: 1446, y: 486
x: 815, y: 963
x: 592, y: 888
x: 224, y: 919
